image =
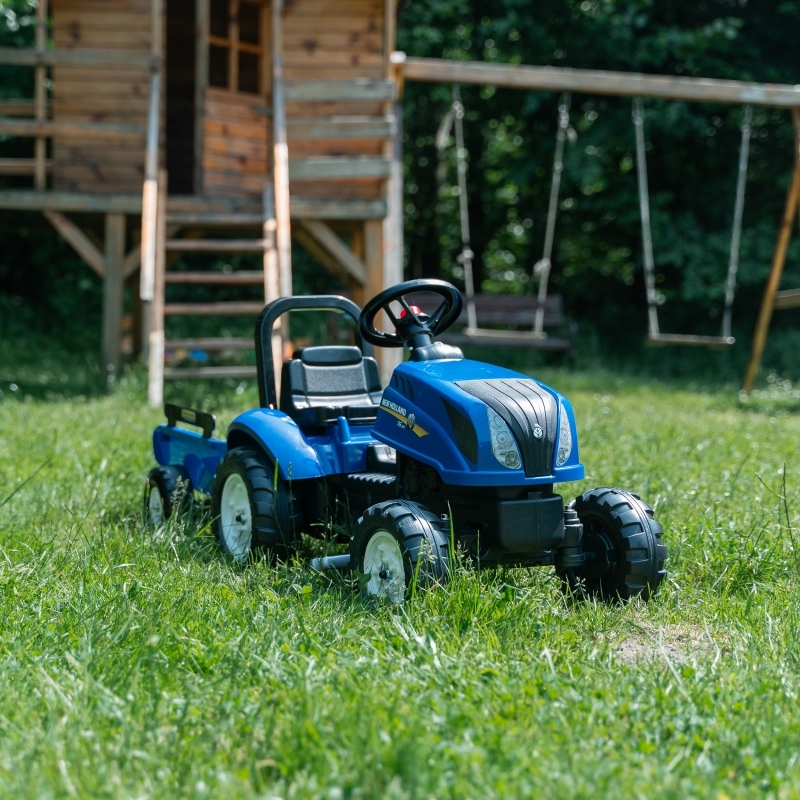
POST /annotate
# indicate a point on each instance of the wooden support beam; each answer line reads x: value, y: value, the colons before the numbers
x: 319, y: 253
x: 349, y: 263
x: 362, y: 89
x: 113, y: 283
x: 393, y: 248
x: 280, y: 164
x: 155, y: 323
x: 339, y: 167
x: 132, y: 261
x: 23, y: 166
x: 23, y: 57
x: 355, y: 127
x: 202, y: 21
x: 79, y: 241
x: 27, y: 200
x: 589, y: 81
x: 40, y: 97
x: 92, y: 130
x: 150, y: 189
x: 778, y: 262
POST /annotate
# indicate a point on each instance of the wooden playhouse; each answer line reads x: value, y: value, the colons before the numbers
x: 212, y: 126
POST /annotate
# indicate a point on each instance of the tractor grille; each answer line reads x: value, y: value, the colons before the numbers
x: 465, y: 433
x: 525, y: 406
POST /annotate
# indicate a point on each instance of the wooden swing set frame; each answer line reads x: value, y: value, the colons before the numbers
x: 621, y: 84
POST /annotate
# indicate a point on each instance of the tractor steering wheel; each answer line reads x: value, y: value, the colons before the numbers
x: 413, y: 328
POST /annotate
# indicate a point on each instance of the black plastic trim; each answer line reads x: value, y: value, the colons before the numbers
x: 204, y: 420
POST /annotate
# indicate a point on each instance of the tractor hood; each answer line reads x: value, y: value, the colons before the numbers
x: 480, y: 425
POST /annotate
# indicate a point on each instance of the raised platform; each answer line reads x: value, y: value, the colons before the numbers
x: 190, y: 210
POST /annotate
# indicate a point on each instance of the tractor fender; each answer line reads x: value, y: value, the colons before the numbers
x: 279, y: 436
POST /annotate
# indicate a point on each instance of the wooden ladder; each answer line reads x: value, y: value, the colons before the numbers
x: 267, y: 277
x: 774, y: 298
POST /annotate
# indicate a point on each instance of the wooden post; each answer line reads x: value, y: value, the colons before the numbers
x: 373, y: 259
x: 200, y: 84
x: 280, y: 165
x: 233, y: 52
x: 40, y: 90
x: 155, y: 366
x: 150, y: 189
x: 113, y: 284
x: 393, y: 248
x: 272, y: 286
x: 778, y: 262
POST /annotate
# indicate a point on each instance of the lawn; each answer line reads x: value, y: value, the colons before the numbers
x: 139, y: 663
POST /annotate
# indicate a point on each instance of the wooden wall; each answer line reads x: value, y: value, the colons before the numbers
x: 236, y: 133
x: 334, y: 40
x: 324, y: 40
x: 100, y: 94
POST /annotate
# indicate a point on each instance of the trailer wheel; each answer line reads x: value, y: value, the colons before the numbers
x: 168, y: 489
x: 394, y: 541
x: 251, y: 508
x: 624, y: 543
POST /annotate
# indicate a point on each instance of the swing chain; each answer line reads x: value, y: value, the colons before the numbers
x: 541, y: 268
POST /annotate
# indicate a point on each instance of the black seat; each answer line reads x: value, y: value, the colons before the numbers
x: 321, y: 384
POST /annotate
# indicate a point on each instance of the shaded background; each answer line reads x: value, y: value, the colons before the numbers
x: 47, y: 293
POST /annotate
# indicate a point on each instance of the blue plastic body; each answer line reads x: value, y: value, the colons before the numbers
x: 418, y: 428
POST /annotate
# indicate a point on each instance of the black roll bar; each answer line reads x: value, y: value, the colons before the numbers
x: 267, y: 395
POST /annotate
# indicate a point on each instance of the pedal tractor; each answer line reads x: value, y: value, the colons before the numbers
x: 452, y: 453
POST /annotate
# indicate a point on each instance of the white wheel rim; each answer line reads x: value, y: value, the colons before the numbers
x: 236, y: 519
x: 155, y: 506
x: 383, y: 562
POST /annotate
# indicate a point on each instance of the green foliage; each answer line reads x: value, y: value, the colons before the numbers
x: 140, y: 662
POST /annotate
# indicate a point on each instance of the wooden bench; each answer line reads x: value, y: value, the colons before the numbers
x: 504, y: 310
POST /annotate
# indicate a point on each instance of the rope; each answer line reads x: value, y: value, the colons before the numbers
x: 543, y: 265
x: 736, y: 235
x: 647, y: 241
x: 644, y: 208
x: 465, y: 259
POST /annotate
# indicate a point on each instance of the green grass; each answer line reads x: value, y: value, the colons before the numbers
x: 141, y: 664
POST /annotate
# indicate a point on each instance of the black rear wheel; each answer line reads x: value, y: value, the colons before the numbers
x: 624, y: 547
x: 252, y: 508
x: 168, y: 491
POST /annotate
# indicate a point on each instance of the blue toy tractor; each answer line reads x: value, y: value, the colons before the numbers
x: 452, y: 453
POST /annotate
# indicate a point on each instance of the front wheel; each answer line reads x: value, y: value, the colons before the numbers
x: 395, y: 542
x: 623, y: 544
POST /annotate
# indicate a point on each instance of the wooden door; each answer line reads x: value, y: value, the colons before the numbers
x: 236, y: 120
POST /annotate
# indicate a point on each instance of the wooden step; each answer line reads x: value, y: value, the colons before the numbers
x: 315, y: 208
x: 788, y: 298
x: 215, y: 245
x: 213, y: 344
x: 338, y: 167
x: 363, y: 89
x: 208, y: 373
x: 302, y: 129
x: 239, y: 278
x: 231, y: 309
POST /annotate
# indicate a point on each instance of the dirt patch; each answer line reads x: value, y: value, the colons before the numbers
x: 676, y: 643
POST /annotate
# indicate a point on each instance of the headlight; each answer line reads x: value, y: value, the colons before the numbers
x: 504, y: 447
x: 564, y: 438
